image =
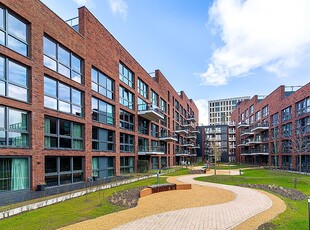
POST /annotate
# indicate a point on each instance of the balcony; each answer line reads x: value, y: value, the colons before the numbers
x: 232, y: 146
x: 74, y: 23
x: 231, y: 131
x: 242, y: 125
x: 246, y: 132
x: 189, y: 125
x: 231, y: 123
x: 194, y: 131
x: 181, y: 130
x: 191, y: 118
x: 232, y: 139
x: 150, y: 112
x: 168, y: 137
x: 191, y: 136
x: 259, y: 152
x: 260, y: 127
x: 188, y: 144
x: 151, y: 150
x: 255, y: 141
x: 182, y: 153
x: 196, y: 146
x: 244, y: 143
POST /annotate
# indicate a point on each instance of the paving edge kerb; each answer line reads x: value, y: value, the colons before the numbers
x: 44, y: 203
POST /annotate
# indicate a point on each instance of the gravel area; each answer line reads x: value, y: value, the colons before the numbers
x: 173, y: 200
x: 292, y: 194
x: 157, y: 203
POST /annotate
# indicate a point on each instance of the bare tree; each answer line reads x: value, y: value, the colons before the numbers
x: 299, y: 140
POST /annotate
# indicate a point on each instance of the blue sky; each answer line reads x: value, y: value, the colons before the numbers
x: 210, y: 49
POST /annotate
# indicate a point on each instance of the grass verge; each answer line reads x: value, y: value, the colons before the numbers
x: 71, y: 211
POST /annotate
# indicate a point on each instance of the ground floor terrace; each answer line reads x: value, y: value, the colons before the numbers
x: 17, y: 172
x: 286, y: 162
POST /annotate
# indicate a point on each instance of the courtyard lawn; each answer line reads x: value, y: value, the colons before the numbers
x: 296, y: 214
x: 72, y: 211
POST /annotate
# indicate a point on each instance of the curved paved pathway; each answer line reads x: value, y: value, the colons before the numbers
x: 248, y: 203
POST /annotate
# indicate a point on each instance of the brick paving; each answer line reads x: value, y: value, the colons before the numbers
x: 248, y: 203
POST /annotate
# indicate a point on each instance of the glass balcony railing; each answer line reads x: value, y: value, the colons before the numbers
x: 150, y: 112
x: 143, y: 150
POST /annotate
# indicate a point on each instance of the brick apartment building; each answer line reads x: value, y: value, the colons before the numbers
x: 219, y: 138
x: 74, y: 103
x: 275, y: 130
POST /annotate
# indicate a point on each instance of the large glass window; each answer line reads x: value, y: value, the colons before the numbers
x: 143, y: 88
x: 257, y: 115
x: 126, y: 98
x: 13, y: 80
x: 102, y: 139
x: 127, y: 165
x: 303, y: 126
x: 163, y: 105
x: 63, y: 170
x: 63, y: 134
x: 126, y: 75
x: 142, y: 105
x: 62, y: 60
x: 154, y: 98
x: 14, y: 128
x: 102, y: 111
x: 275, y: 119
x: 102, y: 83
x: 14, y: 32
x: 303, y: 106
x: 287, y: 114
x: 143, y: 126
x: 14, y: 174
x: 126, y: 120
x: 265, y: 111
x: 103, y: 167
x: 63, y: 98
x: 127, y: 142
x: 287, y: 130
x: 154, y: 130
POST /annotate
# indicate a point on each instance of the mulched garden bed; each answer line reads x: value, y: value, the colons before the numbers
x: 128, y: 198
x: 292, y: 194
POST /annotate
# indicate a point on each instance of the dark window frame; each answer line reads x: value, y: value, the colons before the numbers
x: 126, y: 120
x: 60, y: 173
x: 96, y: 86
x: 127, y: 143
x: 58, y: 63
x: 7, y: 130
x: 7, y: 34
x: 70, y: 137
x: 59, y: 100
x: 103, y: 116
x: 100, y: 140
x: 7, y: 81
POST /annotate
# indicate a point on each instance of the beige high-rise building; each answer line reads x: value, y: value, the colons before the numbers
x: 220, y: 110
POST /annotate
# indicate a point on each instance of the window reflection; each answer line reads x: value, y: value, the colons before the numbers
x: 65, y: 63
x: 62, y: 97
x: 17, y: 27
x: 17, y: 74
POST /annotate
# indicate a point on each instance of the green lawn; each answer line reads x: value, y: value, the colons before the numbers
x: 296, y: 214
x: 75, y: 210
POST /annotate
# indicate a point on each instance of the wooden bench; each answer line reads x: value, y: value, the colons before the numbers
x: 162, y: 188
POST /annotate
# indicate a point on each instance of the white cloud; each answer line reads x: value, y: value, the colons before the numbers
x: 118, y: 6
x: 202, y: 105
x: 273, y: 35
x: 84, y: 2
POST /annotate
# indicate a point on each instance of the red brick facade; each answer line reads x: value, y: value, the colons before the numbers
x: 256, y: 137
x: 97, y: 48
